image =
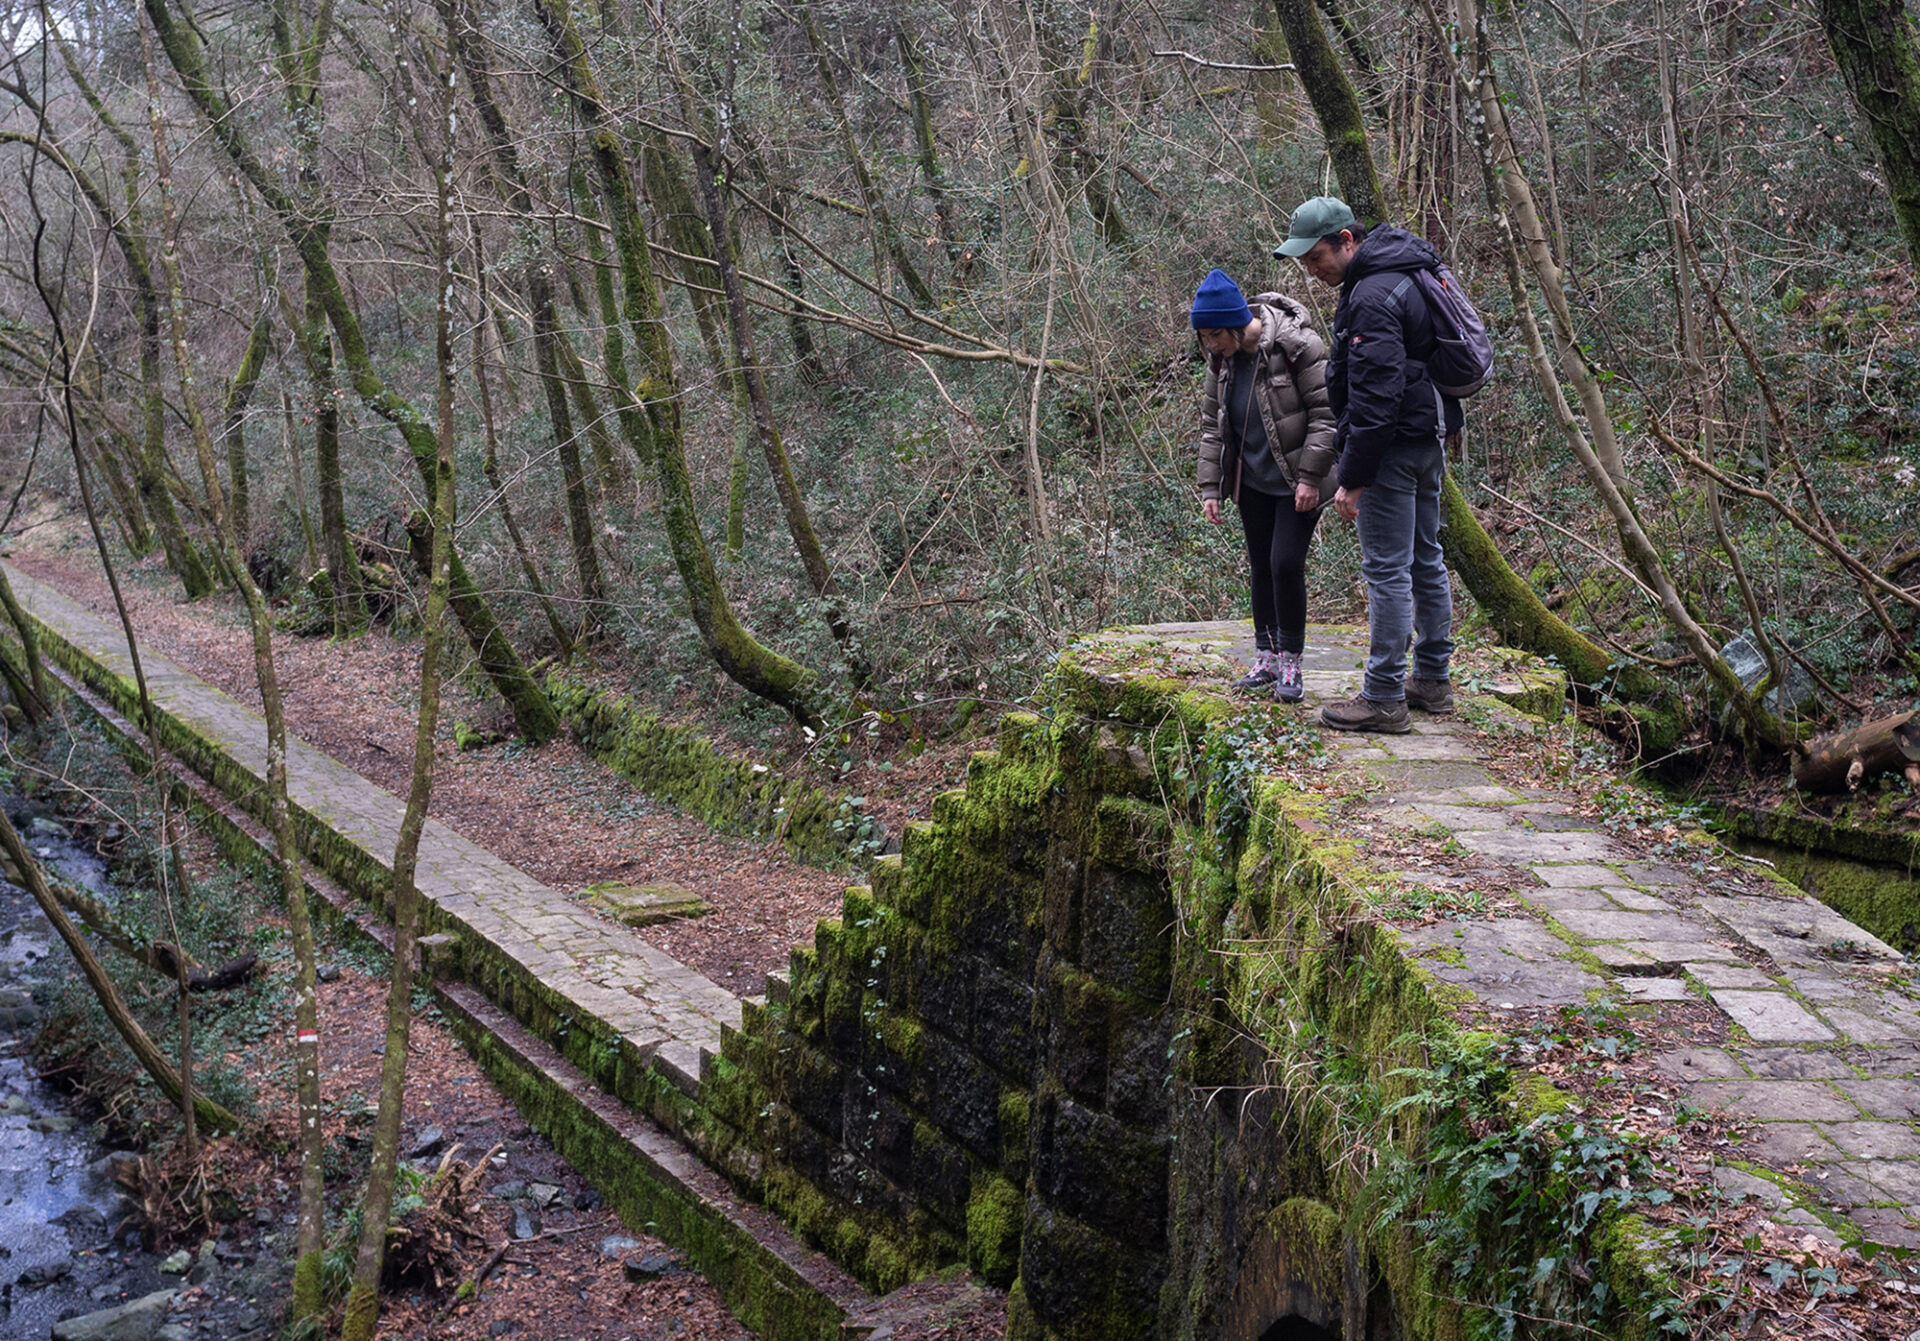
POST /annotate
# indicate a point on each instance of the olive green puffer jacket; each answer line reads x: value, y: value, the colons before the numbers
x: 1291, y: 364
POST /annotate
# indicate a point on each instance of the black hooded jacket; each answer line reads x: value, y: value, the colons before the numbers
x: 1376, y: 379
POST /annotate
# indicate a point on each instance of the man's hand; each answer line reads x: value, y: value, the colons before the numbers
x: 1346, y: 502
x: 1211, y: 507
x: 1306, y: 497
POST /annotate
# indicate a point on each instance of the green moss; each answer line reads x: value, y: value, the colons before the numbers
x: 1533, y: 1096
x: 995, y: 1213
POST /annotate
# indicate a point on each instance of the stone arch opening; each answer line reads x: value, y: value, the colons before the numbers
x: 1293, y: 1327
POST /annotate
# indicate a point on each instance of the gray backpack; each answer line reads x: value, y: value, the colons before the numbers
x: 1462, y: 358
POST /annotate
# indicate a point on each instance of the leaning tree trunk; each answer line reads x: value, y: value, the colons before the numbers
x: 1334, y: 103
x: 1874, y: 45
x: 533, y: 712
x: 233, y: 420
x: 753, y: 666
x: 813, y: 557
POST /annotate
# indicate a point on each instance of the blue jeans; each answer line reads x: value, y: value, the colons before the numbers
x: 1408, y: 592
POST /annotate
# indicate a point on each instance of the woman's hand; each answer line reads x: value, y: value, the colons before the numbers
x: 1211, y: 507
x: 1306, y: 497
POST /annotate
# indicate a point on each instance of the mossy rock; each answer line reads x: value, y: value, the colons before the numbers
x: 645, y: 905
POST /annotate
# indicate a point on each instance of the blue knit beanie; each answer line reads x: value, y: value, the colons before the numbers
x: 1219, y: 305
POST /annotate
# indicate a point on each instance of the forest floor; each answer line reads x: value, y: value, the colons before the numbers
x: 555, y: 812
x: 567, y: 1270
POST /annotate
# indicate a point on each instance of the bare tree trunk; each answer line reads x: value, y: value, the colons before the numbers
x: 490, y: 461
x: 35, y: 703
x: 751, y: 665
x: 1336, y: 106
x: 533, y: 712
x: 376, y: 1206
x: 290, y: 447
x: 889, y: 235
x: 813, y: 557
x: 233, y: 417
x: 310, y: 1228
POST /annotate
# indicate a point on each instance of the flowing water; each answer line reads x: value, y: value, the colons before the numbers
x: 64, y: 1249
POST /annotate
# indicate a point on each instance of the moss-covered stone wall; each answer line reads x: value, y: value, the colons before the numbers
x: 685, y: 768
x: 1110, y: 1031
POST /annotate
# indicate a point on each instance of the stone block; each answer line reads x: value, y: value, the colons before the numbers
x: 1876, y: 1140
x: 1895, y: 1228
x: 879, y: 1129
x: 1862, y: 1027
x: 1782, y: 1143
x: 1896, y: 1100
x: 645, y: 905
x: 1101, y: 1171
x: 1511, y: 962
x: 1575, y: 874
x: 1615, y: 925
x: 1796, y: 1064
x: 1003, y: 1032
x: 1071, y: 1272
x: 1137, y: 1076
x: 942, y: 1177
x: 1898, y: 1178
x: 1770, y: 1017
x: 1126, y: 931
x: 1729, y: 974
x: 1656, y: 989
x: 1521, y: 847
x: 1775, y: 1100
x: 1635, y: 901
x: 963, y: 1095
x: 1671, y: 955
x: 1699, y: 1064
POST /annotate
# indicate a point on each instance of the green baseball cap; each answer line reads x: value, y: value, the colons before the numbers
x: 1318, y: 218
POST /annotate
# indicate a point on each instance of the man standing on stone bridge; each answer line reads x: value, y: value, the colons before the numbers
x: 1391, y: 431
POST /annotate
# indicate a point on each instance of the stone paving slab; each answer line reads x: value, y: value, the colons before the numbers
x: 1824, y: 1054
x: 634, y: 988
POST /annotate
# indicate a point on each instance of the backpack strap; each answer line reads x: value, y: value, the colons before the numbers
x: 1399, y: 307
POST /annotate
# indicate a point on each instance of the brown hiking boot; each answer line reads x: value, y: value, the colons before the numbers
x: 1366, y: 714
x: 1434, y: 696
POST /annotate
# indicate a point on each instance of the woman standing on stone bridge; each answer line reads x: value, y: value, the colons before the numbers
x: 1266, y: 441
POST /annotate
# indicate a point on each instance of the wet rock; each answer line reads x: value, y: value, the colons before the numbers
x: 525, y: 1223
x: 177, y: 1263
x: 512, y: 1191
x: 138, y: 1320
x: 590, y: 1200
x: 653, y: 1266
x: 617, y: 1245
x: 430, y: 1141
x: 45, y: 1273
x: 80, y: 1220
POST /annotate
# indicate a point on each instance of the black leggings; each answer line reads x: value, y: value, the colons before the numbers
x: 1277, y: 540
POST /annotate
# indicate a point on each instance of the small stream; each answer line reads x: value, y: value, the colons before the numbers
x: 64, y: 1251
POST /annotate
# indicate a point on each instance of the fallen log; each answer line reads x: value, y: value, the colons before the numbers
x: 1848, y: 758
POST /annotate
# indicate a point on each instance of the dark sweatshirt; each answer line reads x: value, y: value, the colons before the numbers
x: 1376, y: 379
